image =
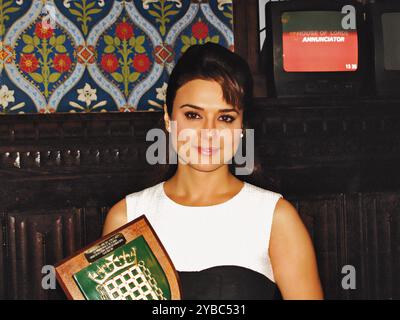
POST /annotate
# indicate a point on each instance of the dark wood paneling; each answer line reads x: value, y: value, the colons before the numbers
x: 240, y: 27
x: 361, y: 230
x: 3, y: 256
x: 325, y: 221
x: 374, y: 244
x: 247, y: 42
x: 322, y: 145
x: 39, y: 238
x: 95, y: 159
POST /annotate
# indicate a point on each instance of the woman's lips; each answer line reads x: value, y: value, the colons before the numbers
x: 207, y: 151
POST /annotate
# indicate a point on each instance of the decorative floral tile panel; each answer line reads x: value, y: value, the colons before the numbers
x: 99, y: 55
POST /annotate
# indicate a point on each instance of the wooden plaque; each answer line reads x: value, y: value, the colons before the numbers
x: 129, y: 263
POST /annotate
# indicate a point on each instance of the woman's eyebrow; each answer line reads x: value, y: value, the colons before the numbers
x: 200, y: 108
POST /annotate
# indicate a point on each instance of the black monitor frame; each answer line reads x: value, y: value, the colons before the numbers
x: 288, y: 84
x: 386, y: 81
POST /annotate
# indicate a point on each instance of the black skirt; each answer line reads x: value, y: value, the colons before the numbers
x: 227, y: 283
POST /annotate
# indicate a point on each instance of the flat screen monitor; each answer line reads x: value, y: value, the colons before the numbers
x: 384, y: 22
x: 315, y: 48
x: 391, y: 40
x: 314, y: 41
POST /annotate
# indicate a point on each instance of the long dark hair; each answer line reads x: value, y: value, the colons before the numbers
x: 213, y: 62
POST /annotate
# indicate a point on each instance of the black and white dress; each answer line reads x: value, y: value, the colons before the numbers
x: 220, y: 251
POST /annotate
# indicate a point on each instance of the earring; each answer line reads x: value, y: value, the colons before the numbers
x: 241, y: 135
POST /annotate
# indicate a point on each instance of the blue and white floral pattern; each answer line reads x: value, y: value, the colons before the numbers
x: 97, y: 55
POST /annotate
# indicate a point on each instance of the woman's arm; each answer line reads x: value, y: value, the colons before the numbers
x: 116, y: 217
x: 292, y: 255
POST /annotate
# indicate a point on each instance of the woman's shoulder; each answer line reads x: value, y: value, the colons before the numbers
x: 145, y: 193
x: 262, y: 193
x: 118, y: 215
x: 277, y: 203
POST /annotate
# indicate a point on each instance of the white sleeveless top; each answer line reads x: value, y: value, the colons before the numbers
x: 235, y: 232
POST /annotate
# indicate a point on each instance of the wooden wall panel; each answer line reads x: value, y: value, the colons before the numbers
x: 373, y: 237
x: 247, y: 42
x: 3, y: 257
x: 36, y: 239
x: 324, y: 219
x: 360, y: 230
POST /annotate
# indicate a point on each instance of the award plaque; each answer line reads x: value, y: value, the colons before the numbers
x: 130, y: 263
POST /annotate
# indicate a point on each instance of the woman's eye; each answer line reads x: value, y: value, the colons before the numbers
x: 227, y: 118
x: 192, y: 115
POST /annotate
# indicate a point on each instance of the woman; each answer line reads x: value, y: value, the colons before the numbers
x: 228, y: 239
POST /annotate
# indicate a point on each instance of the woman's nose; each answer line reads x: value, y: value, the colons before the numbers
x: 211, y: 133
x: 210, y: 127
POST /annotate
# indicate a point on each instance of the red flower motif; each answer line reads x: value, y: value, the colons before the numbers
x: 28, y: 63
x: 124, y: 31
x: 43, y: 30
x: 109, y: 62
x: 62, y: 63
x: 200, y: 30
x: 141, y: 63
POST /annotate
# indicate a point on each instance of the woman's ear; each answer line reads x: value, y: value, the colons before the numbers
x: 166, y: 118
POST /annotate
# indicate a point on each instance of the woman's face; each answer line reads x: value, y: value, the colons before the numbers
x: 208, y: 130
